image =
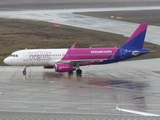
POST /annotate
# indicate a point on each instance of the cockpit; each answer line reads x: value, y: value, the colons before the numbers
x: 13, y: 55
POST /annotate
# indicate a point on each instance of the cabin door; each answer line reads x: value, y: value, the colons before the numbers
x: 25, y: 56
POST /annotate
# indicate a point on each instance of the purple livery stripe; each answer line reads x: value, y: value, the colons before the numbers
x: 89, y: 54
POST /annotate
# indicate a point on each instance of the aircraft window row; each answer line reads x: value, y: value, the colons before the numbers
x: 87, y: 54
x: 82, y: 54
x: 13, y: 55
x: 57, y: 55
x: 49, y: 55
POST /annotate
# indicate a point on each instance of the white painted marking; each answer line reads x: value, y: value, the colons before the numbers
x: 136, y: 112
x: 20, y: 106
x: 62, y: 103
x: 85, y: 108
x: 5, y: 101
x: 57, y: 108
x: 71, y: 113
x: 152, y: 110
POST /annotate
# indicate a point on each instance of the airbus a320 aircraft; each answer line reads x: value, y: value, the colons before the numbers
x: 67, y: 60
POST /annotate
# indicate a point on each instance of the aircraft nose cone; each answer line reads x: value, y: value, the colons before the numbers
x: 6, y: 61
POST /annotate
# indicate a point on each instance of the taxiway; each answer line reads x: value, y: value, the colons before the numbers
x: 132, y: 85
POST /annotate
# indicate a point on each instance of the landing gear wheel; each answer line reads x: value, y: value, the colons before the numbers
x: 24, y: 72
x: 79, y: 71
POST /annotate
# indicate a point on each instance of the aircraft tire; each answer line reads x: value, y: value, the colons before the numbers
x: 79, y: 71
x: 24, y: 72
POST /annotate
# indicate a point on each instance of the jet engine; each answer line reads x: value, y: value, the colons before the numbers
x: 61, y: 67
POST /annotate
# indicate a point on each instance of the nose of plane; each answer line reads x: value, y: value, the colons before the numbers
x: 6, y: 61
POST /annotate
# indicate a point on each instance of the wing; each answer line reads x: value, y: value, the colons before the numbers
x: 81, y: 61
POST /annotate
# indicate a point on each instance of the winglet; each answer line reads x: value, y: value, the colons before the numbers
x: 73, y: 46
x: 137, y: 38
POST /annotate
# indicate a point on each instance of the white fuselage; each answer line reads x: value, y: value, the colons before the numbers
x: 35, y: 57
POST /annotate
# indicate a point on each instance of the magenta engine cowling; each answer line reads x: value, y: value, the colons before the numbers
x: 61, y: 67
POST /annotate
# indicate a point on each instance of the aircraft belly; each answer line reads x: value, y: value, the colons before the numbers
x: 24, y: 63
x: 39, y: 63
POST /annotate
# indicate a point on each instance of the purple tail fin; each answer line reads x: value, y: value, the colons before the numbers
x: 137, y: 38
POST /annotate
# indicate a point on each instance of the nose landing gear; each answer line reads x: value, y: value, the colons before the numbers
x: 24, y: 70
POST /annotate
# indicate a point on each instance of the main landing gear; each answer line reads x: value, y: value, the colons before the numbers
x: 70, y: 73
x: 79, y: 71
x: 24, y: 70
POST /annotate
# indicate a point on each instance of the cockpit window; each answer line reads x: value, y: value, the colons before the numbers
x: 13, y: 55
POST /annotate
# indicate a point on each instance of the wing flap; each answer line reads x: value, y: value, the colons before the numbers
x: 81, y: 61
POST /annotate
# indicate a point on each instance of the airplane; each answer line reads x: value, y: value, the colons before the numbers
x: 68, y: 60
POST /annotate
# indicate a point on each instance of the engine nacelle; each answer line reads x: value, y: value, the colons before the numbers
x: 48, y: 67
x: 61, y: 67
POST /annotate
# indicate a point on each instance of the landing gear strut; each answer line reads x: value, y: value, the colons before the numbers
x: 70, y: 73
x: 24, y: 70
x: 78, y: 71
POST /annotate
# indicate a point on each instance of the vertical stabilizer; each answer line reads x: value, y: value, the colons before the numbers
x: 137, y: 38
